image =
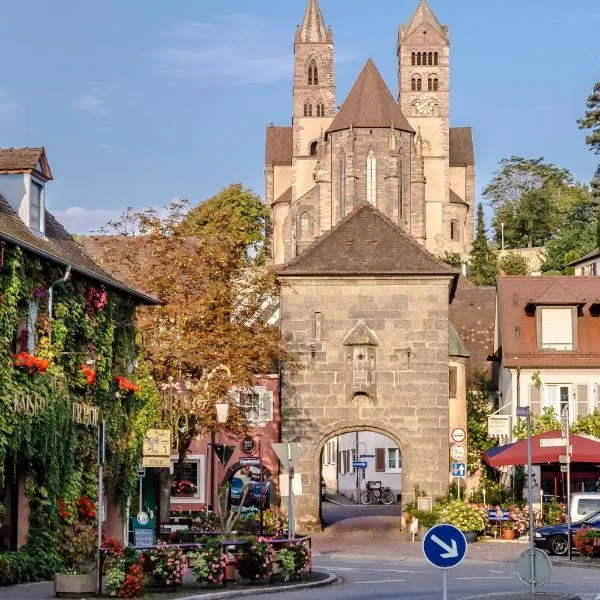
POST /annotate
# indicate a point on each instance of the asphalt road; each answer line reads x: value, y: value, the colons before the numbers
x: 333, y: 513
x: 415, y: 579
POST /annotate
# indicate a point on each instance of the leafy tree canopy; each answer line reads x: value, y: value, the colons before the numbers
x: 591, y: 120
x: 453, y: 259
x: 513, y: 263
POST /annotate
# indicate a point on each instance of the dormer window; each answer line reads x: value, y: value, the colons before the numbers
x: 36, y: 208
x: 557, y: 328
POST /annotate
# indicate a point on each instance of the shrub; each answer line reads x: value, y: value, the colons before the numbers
x: 293, y: 560
x: 255, y: 559
x: 464, y: 516
x: 113, y: 580
x: 210, y: 563
x: 584, y: 540
x: 134, y: 579
x: 167, y: 565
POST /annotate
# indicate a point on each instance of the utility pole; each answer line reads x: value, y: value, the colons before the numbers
x: 565, y: 434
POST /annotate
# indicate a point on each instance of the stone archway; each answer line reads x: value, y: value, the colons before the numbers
x: 308, y: 506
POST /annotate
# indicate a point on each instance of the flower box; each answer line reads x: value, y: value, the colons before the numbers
x: 75, y: 586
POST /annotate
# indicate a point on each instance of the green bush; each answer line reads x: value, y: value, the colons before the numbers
x: 27, y: 567
x: 464, y: 516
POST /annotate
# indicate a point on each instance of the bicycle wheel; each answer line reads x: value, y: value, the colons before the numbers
x: 367, y: 497
x: 387, y: 497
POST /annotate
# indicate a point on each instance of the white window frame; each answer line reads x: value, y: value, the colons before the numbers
x: 330, y: 453
x: 32, y: 314
x: 265, y: 405
x: 372, y: 178
x: 556, y: 404
x: 39, y: 226
x: 555, y: 346
x: 199, y: 496
x: 389, y: 469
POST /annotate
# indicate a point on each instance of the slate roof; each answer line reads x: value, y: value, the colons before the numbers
x: 279, y: 145
x: 25, y: 160
x: 473, y: 312
x: 593, y: 254
x: 519, y: 324
x: 456, y: 199
x: 313, y: 28
x: 456, y: 346
x: 461, y: 147
x: 284, y: 197
x: 59, y: 247
x: 370, y: 104
x: 365, y: 242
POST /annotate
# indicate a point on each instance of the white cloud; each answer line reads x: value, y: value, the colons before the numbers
x: 77, y: 219
x: 236, y: 49
x: 88, y: 102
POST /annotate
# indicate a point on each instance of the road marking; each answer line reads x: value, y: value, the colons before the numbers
x: 381, y: 581
x: 499, y: 572
x: 375, y: 570
x: 488, y: 577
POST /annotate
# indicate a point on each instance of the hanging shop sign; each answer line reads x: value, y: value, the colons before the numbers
x: 248, y: 445
x: 29, y: 404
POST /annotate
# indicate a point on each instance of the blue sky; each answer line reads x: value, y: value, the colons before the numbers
x: 139, y: 102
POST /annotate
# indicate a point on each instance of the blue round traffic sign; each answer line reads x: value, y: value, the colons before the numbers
x: 444, y: 546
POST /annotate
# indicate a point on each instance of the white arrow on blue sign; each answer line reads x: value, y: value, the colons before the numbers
x: 444, y: 546
x: 459, y: 469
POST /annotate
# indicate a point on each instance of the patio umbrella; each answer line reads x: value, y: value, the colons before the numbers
x: 545, y: 448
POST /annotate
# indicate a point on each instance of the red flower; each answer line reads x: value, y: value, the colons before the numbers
x: 89, y: 373
x: 127, y: 386
x: 30, y: 363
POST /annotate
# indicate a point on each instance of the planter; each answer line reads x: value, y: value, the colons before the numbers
x: 508, y: 534
x: 471, y: 536
x: 230, y: 570
x: 75, y: 586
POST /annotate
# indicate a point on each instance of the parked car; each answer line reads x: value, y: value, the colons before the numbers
x: 323, y: 489
x: 236, y: 491
x: 554, y: 538
x: 584, y: 504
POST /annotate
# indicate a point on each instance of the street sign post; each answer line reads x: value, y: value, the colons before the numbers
x: 458, y: 452
x: 444, y: 547
x: 288, y: 454
x: 458, y: 435
x: 459, y: 469
x: 543, y: 568
x: 359, y: 464
x: 249, y: 461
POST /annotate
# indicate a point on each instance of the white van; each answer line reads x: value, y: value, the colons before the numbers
x: 583, y: 504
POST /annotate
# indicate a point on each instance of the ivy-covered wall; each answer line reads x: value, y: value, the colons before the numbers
x: 86, y: 354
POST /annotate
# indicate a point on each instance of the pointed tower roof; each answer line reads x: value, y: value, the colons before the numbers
x: 366, y: 242
x: 423, y: 14
x: 370, y: 104
x: 313, y: 27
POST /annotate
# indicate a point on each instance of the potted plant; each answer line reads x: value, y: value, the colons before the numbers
x: 208, y: 563
x: 183, y: 488
x: 166, y: 565
x: 584, y: 541
x: 466, y: 517
x: 255, y: 560
x: 293, y: 560
x: 77, y: 547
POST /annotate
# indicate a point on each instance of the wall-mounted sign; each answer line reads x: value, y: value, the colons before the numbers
x: 249, y: 462
x: 248, y: 445
x: 157, y: 442
x: 84, y: 414
x: 29, y: 404
x: 161, y: 462
x: 499, y: 425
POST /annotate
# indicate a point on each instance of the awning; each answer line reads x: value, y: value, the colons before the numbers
x: 545, y: 448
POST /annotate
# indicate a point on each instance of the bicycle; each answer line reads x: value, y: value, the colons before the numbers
x: 375, y: 491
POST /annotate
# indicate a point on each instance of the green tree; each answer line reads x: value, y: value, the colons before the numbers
x: 482, y: 259
x: 530, y: 198
x: 235, y: 213
x: 479, y: 409
x: 453, y: 259
x: 513, y: 263
x: 574, y: 238
x: 591, y: 123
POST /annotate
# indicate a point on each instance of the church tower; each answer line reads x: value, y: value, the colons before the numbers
x: 424, y: 95
x: 314, y: 96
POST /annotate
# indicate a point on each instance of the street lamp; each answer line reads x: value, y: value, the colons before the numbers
x: 222, y: 408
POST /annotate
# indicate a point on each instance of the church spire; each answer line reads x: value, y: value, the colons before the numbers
x: 313, y: 28
x: 423, y: 14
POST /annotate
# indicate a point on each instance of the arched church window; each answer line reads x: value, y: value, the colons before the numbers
x: 372, y: 178
x: 430, y: 58
x: 313, y: 148
x: 304, y: 226
x: 320, y: 110
x: 435, y: 58
x: 413, y: 59
x: 313, y: 73
x: 430, y: 84
x: 418, y: 58
x: 342, y: 198
x: 454, y: 230
x: 413, y: 84
x: 419, y: 84
x: 306, y: 105
x: 435, y: 84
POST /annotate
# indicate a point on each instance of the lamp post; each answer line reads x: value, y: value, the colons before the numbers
x: 222, y: 414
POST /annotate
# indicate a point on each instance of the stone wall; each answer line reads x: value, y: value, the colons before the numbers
x: 396, y: 386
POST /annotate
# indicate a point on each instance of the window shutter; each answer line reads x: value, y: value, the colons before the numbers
x: 452, y: 376
x: 380, y: 460
x: 534, y: 400
x: 266, y: 407
x: 582, y: 409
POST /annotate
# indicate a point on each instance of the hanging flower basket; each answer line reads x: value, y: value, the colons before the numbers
x: 183, y: 488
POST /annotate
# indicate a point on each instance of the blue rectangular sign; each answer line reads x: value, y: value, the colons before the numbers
x: 458, y: 469
x: 498, y: 515
x: 359, y: 464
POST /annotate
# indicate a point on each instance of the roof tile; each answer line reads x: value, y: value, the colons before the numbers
x: 279, y: 145
x: 461, y: 147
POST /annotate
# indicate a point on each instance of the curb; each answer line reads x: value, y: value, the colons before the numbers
x: 575, y: 564
x: 330, y: 580
x: 523, y: 596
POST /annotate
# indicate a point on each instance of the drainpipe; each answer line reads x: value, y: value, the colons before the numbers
x: 51, y: 298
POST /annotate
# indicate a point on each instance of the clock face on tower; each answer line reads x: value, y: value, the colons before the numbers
x: 424, y: 106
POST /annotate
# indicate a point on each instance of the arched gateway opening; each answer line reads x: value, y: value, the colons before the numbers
x: 361, y: 476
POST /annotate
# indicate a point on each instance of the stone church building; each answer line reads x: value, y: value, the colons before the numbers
x: 363, y: 201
